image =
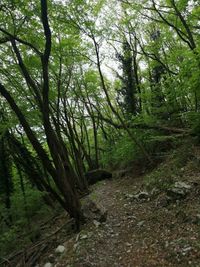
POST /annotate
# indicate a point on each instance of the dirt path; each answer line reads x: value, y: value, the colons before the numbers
x: 142, y: 233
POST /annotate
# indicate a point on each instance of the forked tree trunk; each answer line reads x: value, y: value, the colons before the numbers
x: 59, y: 170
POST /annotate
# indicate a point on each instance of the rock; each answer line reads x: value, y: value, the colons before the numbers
x: 48, y: 264
x: 75, y: 246
x: 186, y: 250
x: 96, y: 223
x: 130, y: 217
x: 51, y: 258
x: 141, y: 223
x: 139, y: 196
x: 111, y: 231
x: 130, y: 196
x: 176, y: 193
x: 182, y: 185
x: 142, y: 195
x: 97, y: 175
x: 91, y: 211
x: 83, y: 237
x: 179, y: 190
x: 77, y: 237
x: 60, y: 249
x: 154, y: 191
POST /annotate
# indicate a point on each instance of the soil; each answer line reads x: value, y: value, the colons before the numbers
x: 152, y: 230
x: 143, y: 232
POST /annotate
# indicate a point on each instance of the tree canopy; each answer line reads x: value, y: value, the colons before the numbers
x: 83, y: 81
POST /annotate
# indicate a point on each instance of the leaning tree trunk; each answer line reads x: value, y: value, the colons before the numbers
x: 57, y: 164
x: 60, y: 174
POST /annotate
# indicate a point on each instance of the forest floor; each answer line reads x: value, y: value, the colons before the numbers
x: 152, y: 229
x: 146, y: 226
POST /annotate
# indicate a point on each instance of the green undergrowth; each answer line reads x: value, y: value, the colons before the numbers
x: 177, y: 166
x: 125, y: 151
x: 23, y: 225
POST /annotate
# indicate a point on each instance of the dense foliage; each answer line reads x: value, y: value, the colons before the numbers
x: 89, y: 84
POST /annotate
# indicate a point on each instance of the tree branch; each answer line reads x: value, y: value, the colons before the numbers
x: 11, y: 36
x: 30, y: 82
x: 45, y: 60
x: 47, y: 31
x: 180, y: 33
x: 30, y: 134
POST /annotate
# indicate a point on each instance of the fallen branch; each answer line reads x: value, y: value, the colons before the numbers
x: 30, y: 254
x: 167, y: 129
x: 144, y: 126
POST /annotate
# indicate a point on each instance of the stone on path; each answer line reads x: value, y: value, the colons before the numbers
x: 91, y: 211
x: 60, y: 249
x: 48, y: 264
x: 179, y: 190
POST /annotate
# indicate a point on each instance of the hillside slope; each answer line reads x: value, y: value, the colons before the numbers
x: 152, y: 220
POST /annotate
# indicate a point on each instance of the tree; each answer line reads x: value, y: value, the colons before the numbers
x: 129, y: 87
x: 57, y: 164
x: 6, y: 183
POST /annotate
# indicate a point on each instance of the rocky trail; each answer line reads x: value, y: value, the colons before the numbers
x: 142, y: 228
x: 137, y: 227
